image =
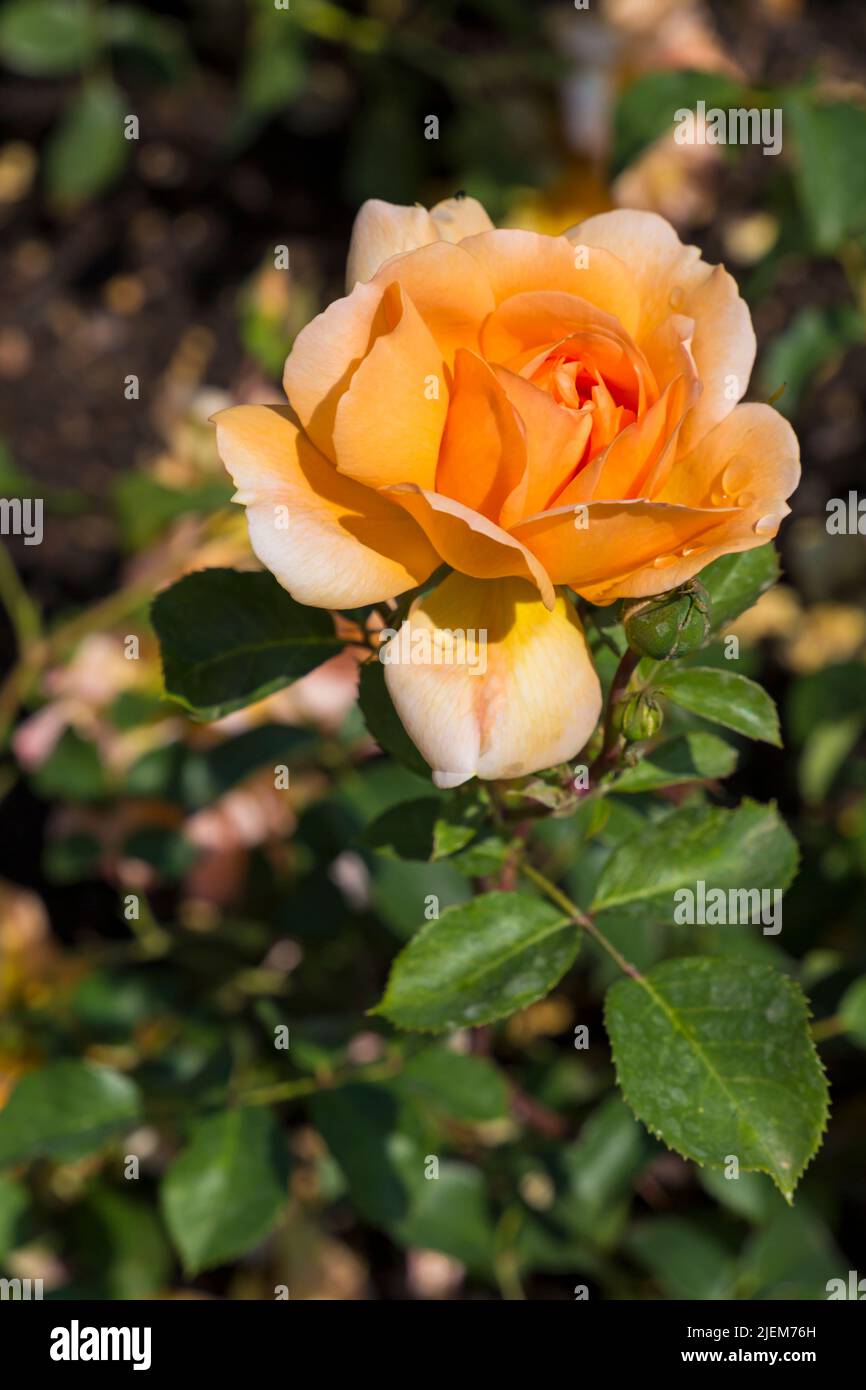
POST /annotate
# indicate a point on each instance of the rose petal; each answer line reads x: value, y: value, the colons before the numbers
x: 344, y: 545
x: 524, y: 698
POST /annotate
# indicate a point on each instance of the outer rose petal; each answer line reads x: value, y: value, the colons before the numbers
x: 536, y: 703
x: 460, y: 217
x: 448, y: 288
x: 672, y: 278
x: 751, y: 456
x: 388, y: 424
x: 382, y: 230
x: 325, y: 356
x: 470, y: 542
x: 345, y: 545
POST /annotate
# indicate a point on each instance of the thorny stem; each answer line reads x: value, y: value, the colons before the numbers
x: 577, y: 915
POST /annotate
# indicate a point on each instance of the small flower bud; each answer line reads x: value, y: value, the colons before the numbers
x: 639, y: 717
x: 670, y: 624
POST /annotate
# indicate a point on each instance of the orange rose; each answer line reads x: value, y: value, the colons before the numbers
x: 543, y: 414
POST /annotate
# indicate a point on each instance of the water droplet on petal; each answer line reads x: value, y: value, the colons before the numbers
x: 677, y: 298
x: 767, y: 525
x: 745, y: 499
x: 718, y: 498
x: 662, y: 562
x: 736, y: 476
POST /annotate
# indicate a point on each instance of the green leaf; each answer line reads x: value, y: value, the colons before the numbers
x: 480, y: 961
x: 735, y: 582
x: 747, y: 848
x: 122, y: 1246
x: 383, y: 721
x: 360, y: 1124
x: 715, y: 1057
x: 47, y: 38
x: 87, y: 151
x: 146, y: 507
x: 801, y: 356
x: 467, y: 1087
x: 599, y: 1170
x: 143, y: 35
x: 691, y: 757
x: 830, y: 184
x: 71, y: 772
x: 725, y: 698
x: 210, y: 773
x: 65, y: 1111
x: 686, y: 1261
x: 229, y: 638
x: 224, y: 1192
x: 852, y: 1011
x: 430, y: 828
x: 403, y: 890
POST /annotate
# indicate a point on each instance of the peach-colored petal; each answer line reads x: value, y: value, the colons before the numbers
x: 590, y: 547
x: 525, y: 696
x: 325, y: 356
x: 382, y: 230
x: 534, y: 320
x: 672, y: 278
x: 330, y: 541
x: 631, y: 459
x: 750, y: 457
x: 483, y: 453
x: 470, y: 542
x: 448, y: 288
x: 388, y: 424
x: 517, y: 261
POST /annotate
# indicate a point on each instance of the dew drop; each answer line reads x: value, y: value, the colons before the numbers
x: 718, y: 498
x: 767, y: 525
x: 736, y: 475
x: 662, y: 562
x: 745, y: 499
x: 677, y: 298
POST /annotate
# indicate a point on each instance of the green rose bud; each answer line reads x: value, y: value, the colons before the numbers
x: 668, y: 625
x: 639, y: 717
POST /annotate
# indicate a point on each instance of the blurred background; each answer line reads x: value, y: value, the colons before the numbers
x: 139, y: 294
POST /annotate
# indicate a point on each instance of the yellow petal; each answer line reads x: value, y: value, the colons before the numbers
x: 382, y: 230
x: 330, y: 541
x: 524, y: 697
